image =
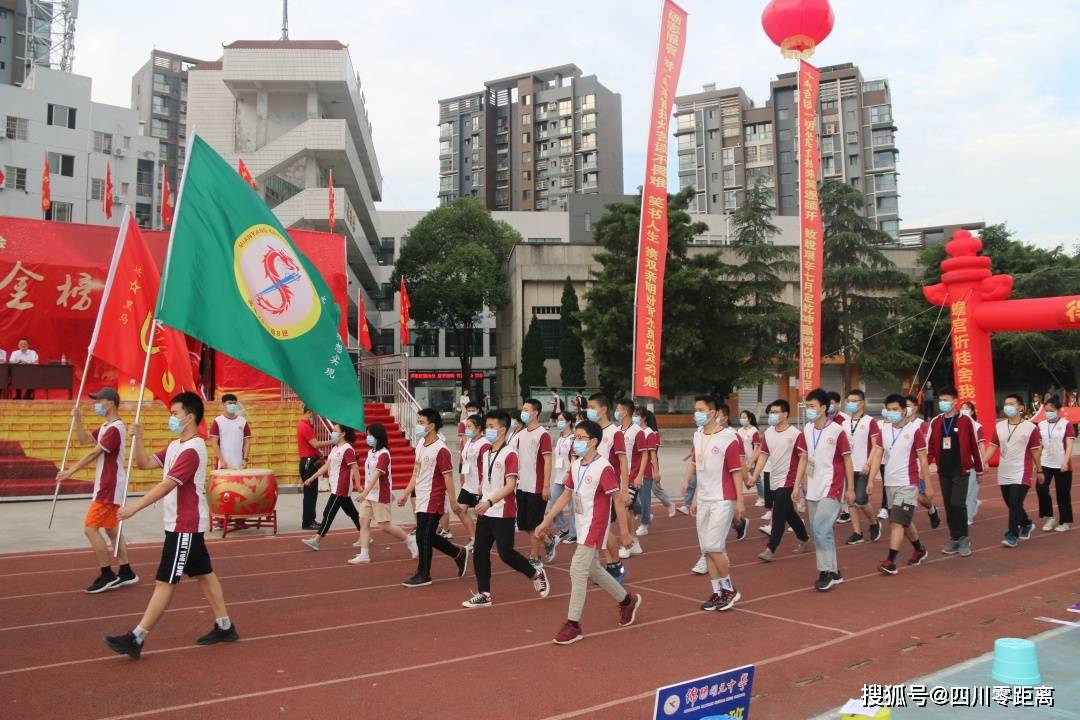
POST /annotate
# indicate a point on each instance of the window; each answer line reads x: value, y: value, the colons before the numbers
x: 59, y: 211
x: 16, y: 128
x: 588, y: 122
x: 446, y: 184
x: 61, y: 116
x: 526, y: 194
x: 475, y: 158
x: 715, y: 177
x: 827, y: 144
x: 160, y: 105
x: 491, y: 342
x: 526, y: 119
x: 765, y: 153
x: 160, y: 128
x: 97, y: 189
x: 14, y: 177
x: 885, y: 181
x: 731, y: 200
x: 685, y: 121
x: 758, y: 131
x: 883, y: 136
x: 475, y: 178
x: 548, y: 240
x: 828, y: 165
x: 785, y: 135
x: 161, y: 83
x: 453, y: 343
x: 526, y: 138
x: 588, y: 102
x: 786, y: 157
x: 855, y: 183
x: 566, y: 107
x: 125, y: 188
x: 881, y: 114
x: 566, y: 145
x: 426, y: 343
x: 884, y: 158
x: 751, y: 153
x: 886, y: 204
x: 526, y: 175
x: 163, y: 150
x: 828, y: 107
x: 891, y: 227
x: 687, y: 163
x: 759, y: 173
x: 873, y: 85
x: 714, y: 156
x: 62, y: 164
x: 475, y: 122
x: 853, y: 160
x: 550, y: 334
x: 783, y: 114
x: 687, y: 141
x: 102, y: 142
x: 729, y: 177
x: 728, y: 155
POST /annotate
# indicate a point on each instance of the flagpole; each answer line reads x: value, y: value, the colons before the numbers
x: 176, y: 214
x: 138, y: 417
x: 89, y: 353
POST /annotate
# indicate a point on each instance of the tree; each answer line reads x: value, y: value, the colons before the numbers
x: 860, y: 284
x: 533, y: 373
x: 571, y: 351
x: 454, y: 263
x: 702, y: 347
x: 770, y: 325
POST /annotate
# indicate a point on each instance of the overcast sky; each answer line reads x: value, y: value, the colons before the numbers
x: 985, y: 96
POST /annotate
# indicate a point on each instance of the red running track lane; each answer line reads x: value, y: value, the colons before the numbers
x: 321, y: 638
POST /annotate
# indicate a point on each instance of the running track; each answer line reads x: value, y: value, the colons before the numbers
x: 321, y: 638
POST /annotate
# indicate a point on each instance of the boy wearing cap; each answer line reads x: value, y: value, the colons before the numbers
x: 109, y: 488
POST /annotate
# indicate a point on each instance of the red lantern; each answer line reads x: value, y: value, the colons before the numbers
x: 797, y: 26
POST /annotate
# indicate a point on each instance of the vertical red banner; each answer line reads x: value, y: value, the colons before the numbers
x: 811, y: 232
x: 653, y: 232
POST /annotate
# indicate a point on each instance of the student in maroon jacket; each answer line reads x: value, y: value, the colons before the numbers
x: 953, y: 452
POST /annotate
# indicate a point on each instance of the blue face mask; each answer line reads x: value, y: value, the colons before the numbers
x: 774, y: 419
x: 470, y: 433
x: 581, y: 447
x: 743, y: 422
x: 945, y: 405
x: 700, y: 418
x: 811, y: 414
x: 966, y: 411
x: 636, y: 420
x: 491, y: 434
x: 893, y: 416
x: 852, y: 408
x: 99, y: 409
x: 593, y: 415
x: 561, y: 425
x: 618, y: 416
x: 335, y: 436
x: 371, y: 441
x: 1052, y: 415
x: 1010, y: 410
x: 232, y: 408
x: 175, y: 426
x: 832, y: 408
x: 525, y: 417
x: 421, y: 431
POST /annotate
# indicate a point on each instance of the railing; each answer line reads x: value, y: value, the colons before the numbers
x: 379, y: 375
x: 405, y: 409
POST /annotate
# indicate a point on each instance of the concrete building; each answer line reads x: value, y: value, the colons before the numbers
x: 726, y: 143
x: 159, y: 95
x: 293, y: 110
x: 531, y: 141
x: 52, y: 114
x: 12, y: 42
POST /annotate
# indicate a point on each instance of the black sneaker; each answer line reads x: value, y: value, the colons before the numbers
x: 417, y: 581
x: 217, y: 635
x: 741, y: 529
x: 935, y: 518
x: 564, y: 534
x: 855, y: 539
x: 462, y: 561
x: 844, y: 517
x: 710, y: 605
x: 311, y: 526
x: 824, y: 580
x: 728, y: 598
x: 125, y: 578
x: 102, y: 583
x: 875, y: 532
x: 125, y: 644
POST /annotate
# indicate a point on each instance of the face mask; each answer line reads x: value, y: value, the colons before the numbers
x: 99, y: 409
x: 774, y: 419
x: 743, y: 422
x: 421, y: 431
x: 893, y: 416
x: 1011, y: 410
x: 618, y: 416
x: 175, y: 426
x: 335, y: 436
x: 965, y: 411
x: 1052, y: 415
x: 945, y: 405
x: 371, y: 441
x: 910, y: 410
x: 561, y: 425
x: 636, y: 420
x: 232, y: 408
x: 593, y: 415
x: 811, y: 415
x: 525, y: 417
x: 581, y: 447
x: 470, y: 433
x: 852, y: 407
x: 832, y: 408
x: 491, y: 434
x: 700, y: 418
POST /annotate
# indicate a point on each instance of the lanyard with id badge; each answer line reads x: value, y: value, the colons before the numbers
x: 579, y: 487
x: 946, y: 434
x: 811, y: 462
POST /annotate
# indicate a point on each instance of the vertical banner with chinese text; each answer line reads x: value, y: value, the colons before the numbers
x: 811, y: 232
x: 653, y: 232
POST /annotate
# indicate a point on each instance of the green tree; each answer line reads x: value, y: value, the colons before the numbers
x: 702, y: 348
x: 860, y: 287
x: 571, y: 350
x: 770, y: 325
x: 533, y: 373
x: 454, y: 264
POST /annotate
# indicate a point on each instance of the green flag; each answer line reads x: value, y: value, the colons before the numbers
x: 234, y: 279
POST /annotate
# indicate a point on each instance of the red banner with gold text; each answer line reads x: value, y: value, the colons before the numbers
x: 653, y: 230
x: 811, y: 232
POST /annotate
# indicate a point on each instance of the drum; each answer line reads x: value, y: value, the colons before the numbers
x: 242, y: 492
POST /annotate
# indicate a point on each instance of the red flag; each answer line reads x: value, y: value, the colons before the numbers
x: 363, y: 335
x: 242, y: 169
x: 406, y: 306
x: 125, y: 321
x: 166, y: 202
x: 330, y: 198
x: 46, y: 192
x: 107, y: 196
x: 2, y: 177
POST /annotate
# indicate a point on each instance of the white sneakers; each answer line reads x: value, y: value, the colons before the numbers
x: 410, y: 542
x: 360, y: 559
x: 767, y: 516
x: 760, y: 502
x: 883, y: 514
x: 642, y: 530
x: 1049, y: 525
x: 1063, y: 527
x: 700, y: 568
x: 672, y: 510
x: 634, y: 549
x: 312, y: 542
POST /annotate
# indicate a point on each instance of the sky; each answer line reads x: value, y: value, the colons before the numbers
x: 985, y: 98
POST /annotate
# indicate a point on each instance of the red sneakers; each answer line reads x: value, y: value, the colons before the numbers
x: 887, y: 567
x: 628, y: 612
x: 917, y: 557
x: 568, y: 634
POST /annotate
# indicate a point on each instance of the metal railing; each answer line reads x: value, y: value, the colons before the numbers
x: 405, y: 409
x: 379, y: 375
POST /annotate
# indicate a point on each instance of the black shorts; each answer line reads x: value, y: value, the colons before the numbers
x: 183, y: 554
x: 633, y: 493
x: 861, y: 482
x: 530, y: 510
x: 466, y: 498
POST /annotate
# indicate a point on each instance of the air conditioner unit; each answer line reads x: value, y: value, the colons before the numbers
x: 118, y: 151
x: 831, y: 129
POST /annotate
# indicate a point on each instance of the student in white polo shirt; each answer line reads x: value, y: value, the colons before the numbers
x: 533, y: 446
x: 824, y: 471
x: 865, y: 438
x: 561, y: 457
x: 1058, y: 435
x: 497, y: 513
x: 230, y: 435
x: 718, y: 501
x: 905, y: 452
x: 779, y: 462
x: 1021, y: 459
x: 613, y: 449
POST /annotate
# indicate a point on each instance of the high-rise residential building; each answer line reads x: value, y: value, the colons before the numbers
x: 52, y: 116
x: 12, y: 42
x: 293, y: 111
x: 726, y: 143
x: 159, y: 95
x: 530, y: 141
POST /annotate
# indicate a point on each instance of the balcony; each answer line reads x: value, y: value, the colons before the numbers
x: 565, y: 130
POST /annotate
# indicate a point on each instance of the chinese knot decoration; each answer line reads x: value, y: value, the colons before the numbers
x: 797, y: 26
x: 978, y: 306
